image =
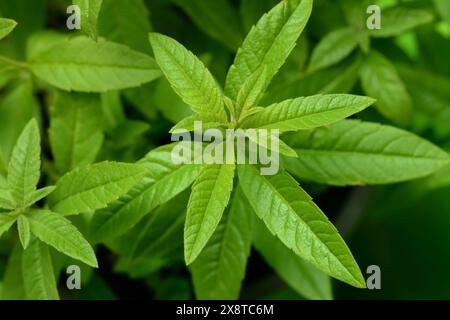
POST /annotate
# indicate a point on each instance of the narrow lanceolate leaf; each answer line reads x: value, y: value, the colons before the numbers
x: 351, y: 152
x: 306, y: 280
x: 220, y: 268
x: 13, y: 286
x: 209, y: 197
x: 81, y: 64
x: 269, y: 43
x: 6, y: 26
x: 290, y: 214
x: 89, y: 15
x: 399, y: 20
x: 6, y: 200
x: 38, y: 275
x: 187, y: 75
x: 308, y: 112
x: 76, y: 134
x: 333, y: 48
x: 163, y: 181
x: 6, y: 222
x: 39, y: 195
x: 380, y: 80
x: 252, y: 91
x: 216, y: 18
x: 23, y: 228
x: 93, y: 187
x: 25, y: 164
x: 58, y: 232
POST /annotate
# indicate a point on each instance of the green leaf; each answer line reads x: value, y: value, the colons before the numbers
x: 308, y: 112
x: 430, y: 93
x: 188, y: 76
x: 13, y: 286
x: 6, y: 26
x: 39, y: 195
x: 93, y: 187
x: 76, y: 134
x: 290, y: 214
x: 17, y: 108
x: 23, y: 228
x: 24, y: 166
x: 90, y: 10
x: 220, y: 268
x: 6, y: 222
x: 81, y: 64
x: 163, y: 181
x: 59, y: 233
x: 269, y: 43
x: 333, y: 48
x: 251, y: 92
x: 252, y: 10
x: 300, y: 275
x: 396, y: 21
x: 38, y: 275
x: 216, y: 18
x: 351, y: 152
x: 210, y: 194
x: 380, y: 80
x: 6, y: 200
x: 443, y: 8
x: 126, y: 22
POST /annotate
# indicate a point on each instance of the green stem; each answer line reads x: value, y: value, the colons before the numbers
x: 21, y: 65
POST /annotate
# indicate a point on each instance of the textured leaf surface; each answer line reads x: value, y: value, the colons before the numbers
x: 396, y: 21
x: 81, y: 64
x: 220, y: 268
x: 209, y: 197
x: 351, y: 152
x: 216, y: 18
x: 163, y: 181
x: 90, y: 10
x: 25, y: 164
x: 76, y: 134
x: 93, y: 187
x: 251, y: 92
x: 187, y: 75
x: 300, y: 275
x: 6, y: 26
x: 381, y: 81
x: 38, y: 275
x: 23, y: 228
x: 269, y: 43
x: 290, y: 214
x: 308, y: 112
x: 59, y: 233
x: 333, y: 48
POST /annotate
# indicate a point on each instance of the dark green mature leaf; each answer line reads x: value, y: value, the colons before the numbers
x: 127, y: 22
x: 209, y: 197
x: 290, y: 214
x: 38, y: 275
x: 163, y: 181
x: 308, y: 112
x: 397, y: 20
x: 81, y: 64
x: 90, y: 10
x: 269, y: 43
x: 25, y: 164
x: 93, y: 187
x: 6, y: 26
x: 217, y: 18
x: 220, y: 268
x: 351, y: 152
x: 76, y: 134
x: 58, y: 232
x: 300, y: 275
x: 380, y: 80
x: 189, y: 77
x: 333, y: 48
